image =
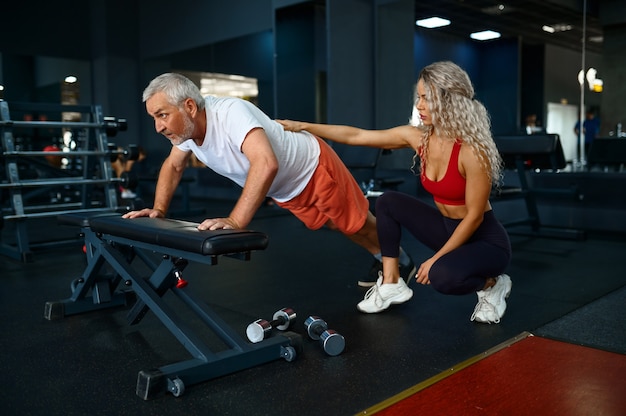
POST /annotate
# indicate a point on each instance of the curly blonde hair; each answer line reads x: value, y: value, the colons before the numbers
x: 457, y: 115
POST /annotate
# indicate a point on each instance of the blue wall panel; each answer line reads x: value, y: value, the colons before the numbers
x: 492, y: 67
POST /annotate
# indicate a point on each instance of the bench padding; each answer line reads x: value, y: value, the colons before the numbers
x: 181, y: 235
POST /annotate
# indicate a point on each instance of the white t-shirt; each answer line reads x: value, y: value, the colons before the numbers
x: 229, y: 120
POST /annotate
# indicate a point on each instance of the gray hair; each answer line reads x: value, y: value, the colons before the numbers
x: 176, y: 87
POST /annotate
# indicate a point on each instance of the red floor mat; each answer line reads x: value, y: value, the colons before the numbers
x: 530, y: 376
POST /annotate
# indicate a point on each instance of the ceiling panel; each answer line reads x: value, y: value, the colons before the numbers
x: 519, y: 19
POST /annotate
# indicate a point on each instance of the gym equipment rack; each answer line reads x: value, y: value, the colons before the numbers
x: 90, y: 180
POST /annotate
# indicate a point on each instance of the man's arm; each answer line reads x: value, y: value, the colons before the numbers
x: 263, y: 169
x: 169, y: 177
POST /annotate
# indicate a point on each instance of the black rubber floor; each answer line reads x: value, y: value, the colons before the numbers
x: 88, y: 364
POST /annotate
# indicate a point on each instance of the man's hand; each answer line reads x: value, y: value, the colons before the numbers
x: 218, y: 224
x: 146, y: 212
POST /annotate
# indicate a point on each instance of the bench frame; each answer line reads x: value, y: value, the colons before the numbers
x: 95, y: 291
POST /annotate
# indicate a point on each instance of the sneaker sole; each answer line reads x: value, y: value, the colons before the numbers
x: 362, y: 283
x: 402, y: 300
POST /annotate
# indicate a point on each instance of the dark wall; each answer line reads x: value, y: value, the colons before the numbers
x: 492, y: 67
x: 167, y: 28
x: 350, y: 66
x: 51, y: 28
x: 296, y: 68
x: 532, y: 84
x: 497, y: 83
x: 249, y: 56
x: 394, y: 62
x: 431, y: 46
x: 18, y: 72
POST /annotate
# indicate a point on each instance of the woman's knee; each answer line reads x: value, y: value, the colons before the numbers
x: 386, y: 200
x: 444, y: 279
x: 457, y: 284
x: 442, y: 286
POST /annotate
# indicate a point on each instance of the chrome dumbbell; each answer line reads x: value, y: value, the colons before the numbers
x: 258, y: 330
x: 332, y: 342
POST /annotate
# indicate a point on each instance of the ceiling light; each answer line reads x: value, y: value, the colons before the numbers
x: 485, y: 35
x: 497, y: 9
x: 559, y: 27
x: 432, y: 22
x: 71, y: 79
x: 1, y: 87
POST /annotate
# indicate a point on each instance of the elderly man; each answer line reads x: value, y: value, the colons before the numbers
x: 299, y: 171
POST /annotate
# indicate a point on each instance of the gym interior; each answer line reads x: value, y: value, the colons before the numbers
x: 109, y: 321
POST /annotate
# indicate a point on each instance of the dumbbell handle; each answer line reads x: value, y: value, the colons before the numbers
x: 318, y: 331
x: 279, y: 322
x: 282, y: 319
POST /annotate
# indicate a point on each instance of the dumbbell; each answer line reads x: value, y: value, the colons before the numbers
x: 258, y: 330
x: 129, y: 180
x: 130, y: 153
x: 332, y: 342
x: 112, y: 125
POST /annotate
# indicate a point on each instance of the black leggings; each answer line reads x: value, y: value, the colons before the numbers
x: 464, y: 270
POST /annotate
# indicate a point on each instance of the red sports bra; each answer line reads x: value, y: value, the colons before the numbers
x: 450, y: 190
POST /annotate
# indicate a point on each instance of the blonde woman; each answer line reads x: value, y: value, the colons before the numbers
x: 458, y: 164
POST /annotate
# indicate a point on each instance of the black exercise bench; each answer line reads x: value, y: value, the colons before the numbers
x: 524, y: 154
x: 166, y: 246
x: 608, y: 152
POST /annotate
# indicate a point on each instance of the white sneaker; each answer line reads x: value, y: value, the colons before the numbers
x: 380, y: 296
x: 128, y: 194
x: 491, y: 302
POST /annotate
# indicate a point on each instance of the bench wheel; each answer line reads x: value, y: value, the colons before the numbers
x: 176, y: 387
x: 288, y: 353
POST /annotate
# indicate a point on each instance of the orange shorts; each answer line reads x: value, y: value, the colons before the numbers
x: 331, y: 194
